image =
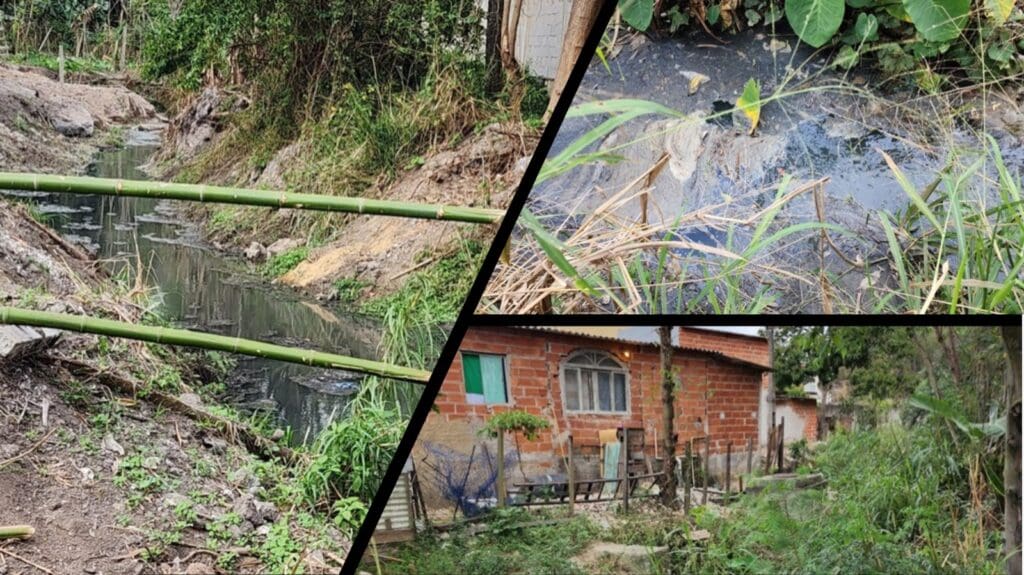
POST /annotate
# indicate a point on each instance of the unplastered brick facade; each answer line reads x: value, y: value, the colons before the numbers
x: 719, y: 395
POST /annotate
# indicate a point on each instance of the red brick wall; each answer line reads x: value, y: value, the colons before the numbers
x: 749, y: 348
x: 715, y: 391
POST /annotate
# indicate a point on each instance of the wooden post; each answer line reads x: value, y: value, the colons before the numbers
x: 741, y: 485
x: 707, y: 466
x: 770, y: 446
x: 687, y: 477
x: 572, y: 479
x: 782, y: 442
x: 60, y: 63
x: 501, y: 469
x: 728, y: 471
x: 750, y: 455
x: 625, y: 469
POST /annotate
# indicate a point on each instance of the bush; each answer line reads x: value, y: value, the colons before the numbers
x: 897, y: 502
x: 352, y: 454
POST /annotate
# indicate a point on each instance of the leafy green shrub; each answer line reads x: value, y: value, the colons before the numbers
x: 896, y: 503
x: 285, y: 262
x: 352, y: 454
x: 979, y: 37
x: 515, y: 421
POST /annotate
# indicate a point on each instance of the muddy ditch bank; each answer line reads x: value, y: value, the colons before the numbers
x: 190, y: 282
x: 825, y: 125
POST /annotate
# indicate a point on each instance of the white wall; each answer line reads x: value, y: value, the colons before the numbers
x: 794, y: 422
x: 542, y: 26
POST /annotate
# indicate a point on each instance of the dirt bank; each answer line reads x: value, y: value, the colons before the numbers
x: 49, y: 127
x: 380, y: 253
x: 111, y: 480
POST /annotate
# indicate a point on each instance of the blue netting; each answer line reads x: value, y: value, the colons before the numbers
x: 468, y: 481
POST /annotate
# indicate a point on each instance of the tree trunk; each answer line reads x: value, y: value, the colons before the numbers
x: 510, y: 12
x: 1011, y: 466
x: 668, y: 392
x: 582, y: 18
x: 492, y: 46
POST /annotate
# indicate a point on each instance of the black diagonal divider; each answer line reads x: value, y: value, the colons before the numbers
x: 419, y: 416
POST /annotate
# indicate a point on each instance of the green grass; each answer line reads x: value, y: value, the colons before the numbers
x: 504, y: 549
x: 71, y: 63
x: 285, y: 262
x: 437, y: 293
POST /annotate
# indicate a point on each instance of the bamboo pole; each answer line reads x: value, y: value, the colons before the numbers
x: 172, y: 336
x: 244, y: 196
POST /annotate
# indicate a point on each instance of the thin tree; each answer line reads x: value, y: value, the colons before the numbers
x: 492, y: 46
x: 668, y: 440
x: 1011, y: 466
x: 582, y: 17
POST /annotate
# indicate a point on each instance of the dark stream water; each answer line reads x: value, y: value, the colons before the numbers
x: 199, y: 288
x: 820, y: 132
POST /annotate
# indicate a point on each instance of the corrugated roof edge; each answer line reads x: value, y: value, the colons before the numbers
x: 568, y: 331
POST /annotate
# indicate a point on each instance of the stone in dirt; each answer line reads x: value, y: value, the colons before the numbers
x: 283, y: 245
x: 72, y: 120
x: 111, y: 444
x: 18, y: 342
x: 255, y: 511
x: 255, y: 252
x: 621, y: 559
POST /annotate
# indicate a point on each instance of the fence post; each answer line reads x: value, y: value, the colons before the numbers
x: 687, y: 477
x: 501, y: 469
x: 572, y: 479
x: 707, y: 466
x: 60, y: 63
x: 750, y: 455
x: 728, y: 471
x: 625, y: 469
x: 782, y: 442
x: 770, y: 447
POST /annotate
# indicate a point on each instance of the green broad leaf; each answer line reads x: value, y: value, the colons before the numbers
x: 750, y: 103
x: 714, y: 12
x: 847, y: 58
x: 938, y: 20
x: 866, y: 27
x: 999, y: 10
x: 637, y: 13
x: 815, y: 21
x: 753, y: 17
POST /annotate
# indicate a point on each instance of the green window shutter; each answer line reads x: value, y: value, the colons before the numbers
x: 492, y: 368
x: 474, y: 380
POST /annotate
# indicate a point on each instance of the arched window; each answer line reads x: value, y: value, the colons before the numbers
x: 594, y: 381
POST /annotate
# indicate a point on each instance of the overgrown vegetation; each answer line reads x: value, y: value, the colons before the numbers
x: 927, y: 41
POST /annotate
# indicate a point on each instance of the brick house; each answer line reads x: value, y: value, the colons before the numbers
x: 583, y: 383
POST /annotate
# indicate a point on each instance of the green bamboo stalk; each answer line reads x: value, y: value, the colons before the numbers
x: 16, y: 531
x: 243, y: 196
x: 172, y: 336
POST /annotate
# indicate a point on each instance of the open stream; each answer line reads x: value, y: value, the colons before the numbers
x: 828, y: 124
x: 201, y: 289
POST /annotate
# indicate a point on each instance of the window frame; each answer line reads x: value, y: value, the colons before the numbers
x: 506, y: 372
x: 621, y: 368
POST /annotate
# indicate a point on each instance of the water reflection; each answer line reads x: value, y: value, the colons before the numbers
x: 200, y: 289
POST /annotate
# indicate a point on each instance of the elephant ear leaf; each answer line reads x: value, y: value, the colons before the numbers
x: 999, y: 10
x: 637, y: 13
x: 815, y: 21
x: 938, y: 20
x: 750, y: 103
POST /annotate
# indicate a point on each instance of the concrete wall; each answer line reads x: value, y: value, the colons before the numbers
x: 801, y: 418
x: 542, y: 26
